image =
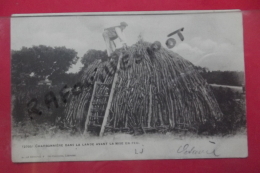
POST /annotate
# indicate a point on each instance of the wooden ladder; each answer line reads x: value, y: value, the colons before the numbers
x: 96, y: 119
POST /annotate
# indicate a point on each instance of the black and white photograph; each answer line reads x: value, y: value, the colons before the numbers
x: 128, y: 86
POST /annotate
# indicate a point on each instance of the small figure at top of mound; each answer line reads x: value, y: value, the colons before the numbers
x: 112, y: 33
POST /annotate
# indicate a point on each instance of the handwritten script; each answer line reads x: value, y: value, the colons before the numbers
x: 187, y: 149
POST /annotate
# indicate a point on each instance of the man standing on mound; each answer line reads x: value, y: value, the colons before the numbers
x: 112, y: 33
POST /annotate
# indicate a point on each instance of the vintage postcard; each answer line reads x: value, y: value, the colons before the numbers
x: 128, y: 86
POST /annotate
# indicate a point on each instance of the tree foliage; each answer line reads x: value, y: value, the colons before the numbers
x: 34, y: 64
x: 232, y: 104
x: 93, y: 55
x: 30, y: 65
x: 233, y: 78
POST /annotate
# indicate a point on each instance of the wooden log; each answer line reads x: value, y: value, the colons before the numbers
x: 150, y: 106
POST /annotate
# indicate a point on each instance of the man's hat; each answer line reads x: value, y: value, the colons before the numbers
x: 123, y: 24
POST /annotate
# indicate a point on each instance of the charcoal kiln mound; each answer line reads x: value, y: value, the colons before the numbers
x: 142, y: 90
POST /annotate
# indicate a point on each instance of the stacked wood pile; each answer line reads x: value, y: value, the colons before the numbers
x: 156, y: 90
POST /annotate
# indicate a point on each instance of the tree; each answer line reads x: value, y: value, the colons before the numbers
x: 233, y: 78
x: 30, y: 65
x: 66, y: 79
x: 93, y: 55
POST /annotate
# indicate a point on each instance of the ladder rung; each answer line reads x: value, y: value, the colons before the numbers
x: 99, y: 103
x: 96, y: 116
x: 94, y: 125
x: 97, y: 109
x: 101, y: 96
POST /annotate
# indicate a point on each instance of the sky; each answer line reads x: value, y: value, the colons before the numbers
x: 212, y: 40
